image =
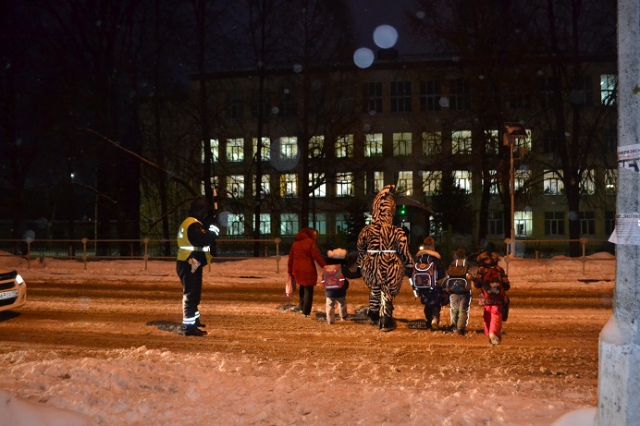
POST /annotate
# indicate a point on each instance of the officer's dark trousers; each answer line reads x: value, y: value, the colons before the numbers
x: 191, y: 291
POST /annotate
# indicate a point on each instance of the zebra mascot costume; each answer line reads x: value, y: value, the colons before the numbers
x: 383, y: 254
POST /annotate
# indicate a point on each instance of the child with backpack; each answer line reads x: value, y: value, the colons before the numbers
x: 458, y: 286
x: 335, y: 284
x: 426, y: 277
x: 493, y: 283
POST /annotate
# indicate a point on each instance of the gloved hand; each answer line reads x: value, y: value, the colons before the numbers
x: 408, y: 271
x: 213, y: 228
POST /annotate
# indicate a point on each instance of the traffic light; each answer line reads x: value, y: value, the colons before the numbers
x: 403, y: 209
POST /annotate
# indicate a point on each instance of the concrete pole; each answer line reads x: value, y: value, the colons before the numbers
x: 619, y: 342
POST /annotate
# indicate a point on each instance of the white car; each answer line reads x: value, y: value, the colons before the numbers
x: 13, y: 290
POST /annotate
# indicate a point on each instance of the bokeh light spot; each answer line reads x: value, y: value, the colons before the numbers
x: 385, y: 36
x: 363, y: 57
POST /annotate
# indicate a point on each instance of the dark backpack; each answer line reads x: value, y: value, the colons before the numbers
x: 332, y: 277
x: 456, y: 282
x: 424, y: 279
x: 424, y: 273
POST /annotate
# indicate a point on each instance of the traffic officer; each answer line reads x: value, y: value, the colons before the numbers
x: 194, y: 241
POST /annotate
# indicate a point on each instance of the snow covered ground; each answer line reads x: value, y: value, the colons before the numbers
x: 139, y: 385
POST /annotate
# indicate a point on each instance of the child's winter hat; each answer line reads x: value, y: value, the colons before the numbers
x: 338, y: 253
x: 429, y: 243
x: 489, y: 247
x: 460, y: 254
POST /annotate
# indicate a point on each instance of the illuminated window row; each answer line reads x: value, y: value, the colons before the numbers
x: 289, y: 223
x: 286, y: 147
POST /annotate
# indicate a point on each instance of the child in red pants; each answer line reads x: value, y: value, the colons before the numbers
x: 493, y: 282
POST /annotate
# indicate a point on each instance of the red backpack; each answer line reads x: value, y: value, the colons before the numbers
x: 493, y: 292
x: 332, y: 278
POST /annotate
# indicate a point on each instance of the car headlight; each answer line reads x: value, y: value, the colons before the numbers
x: 19, y: 280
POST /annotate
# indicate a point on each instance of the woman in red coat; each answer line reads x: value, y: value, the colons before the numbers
x: 303, y: 256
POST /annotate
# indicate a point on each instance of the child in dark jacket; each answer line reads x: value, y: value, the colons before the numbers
x: 432, y: 298
x: 458, y: 285
x: 337, y: 256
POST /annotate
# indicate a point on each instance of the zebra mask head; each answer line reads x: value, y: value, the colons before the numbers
x: 384, y: 206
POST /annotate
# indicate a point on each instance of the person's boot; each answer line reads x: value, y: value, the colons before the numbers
x: 199, y: 324
x: 192, y: 330
x: 387, y: 323
x: 435, y: 323
x: 374, y: 316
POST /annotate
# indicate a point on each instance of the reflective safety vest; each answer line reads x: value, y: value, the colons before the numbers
x: 185, y: 248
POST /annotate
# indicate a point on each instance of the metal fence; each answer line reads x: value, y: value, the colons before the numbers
x: 86, y: 250
x: 146, y: 249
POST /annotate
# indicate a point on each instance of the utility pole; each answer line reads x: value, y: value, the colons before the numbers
x: 619, y: 342
x: 511, y: 132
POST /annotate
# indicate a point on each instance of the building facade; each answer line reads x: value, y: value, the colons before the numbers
x: 330, y: 139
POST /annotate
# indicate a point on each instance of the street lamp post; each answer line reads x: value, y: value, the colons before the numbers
x: 512, y: 131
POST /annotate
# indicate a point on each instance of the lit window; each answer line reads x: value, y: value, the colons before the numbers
x: 462, y: 179
x: 521, y: 177
x: 344, y: 146
x: 376, y: 184
x: 213, y: 183
x: 319, y: 184
x: 432, y: 143
x: 215, y: 150
x: 523, y: 223
x: 608, y: 88
x: 373, y: 145
x: 492, y: 142
x: 404, y: 182
x: 522, y: 145
x: 289, y: 185
x: 461, y: 142
x: 368, y: 218
x: 316, y: 146
x: 431, y: 181
x: 289, y: 224
x: 553, y: 185
x: 588, y: 182
x: 494, y: 187
x: 235, y: 150
x: 235, y: 224
x: 265, y: 187
x: 402, y: 144
x: 611, y: 181
x: 289, y: 147
x: 235, y: 186
x: 265, y: 223
x: 344, y: 184
x: 265, y: 152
